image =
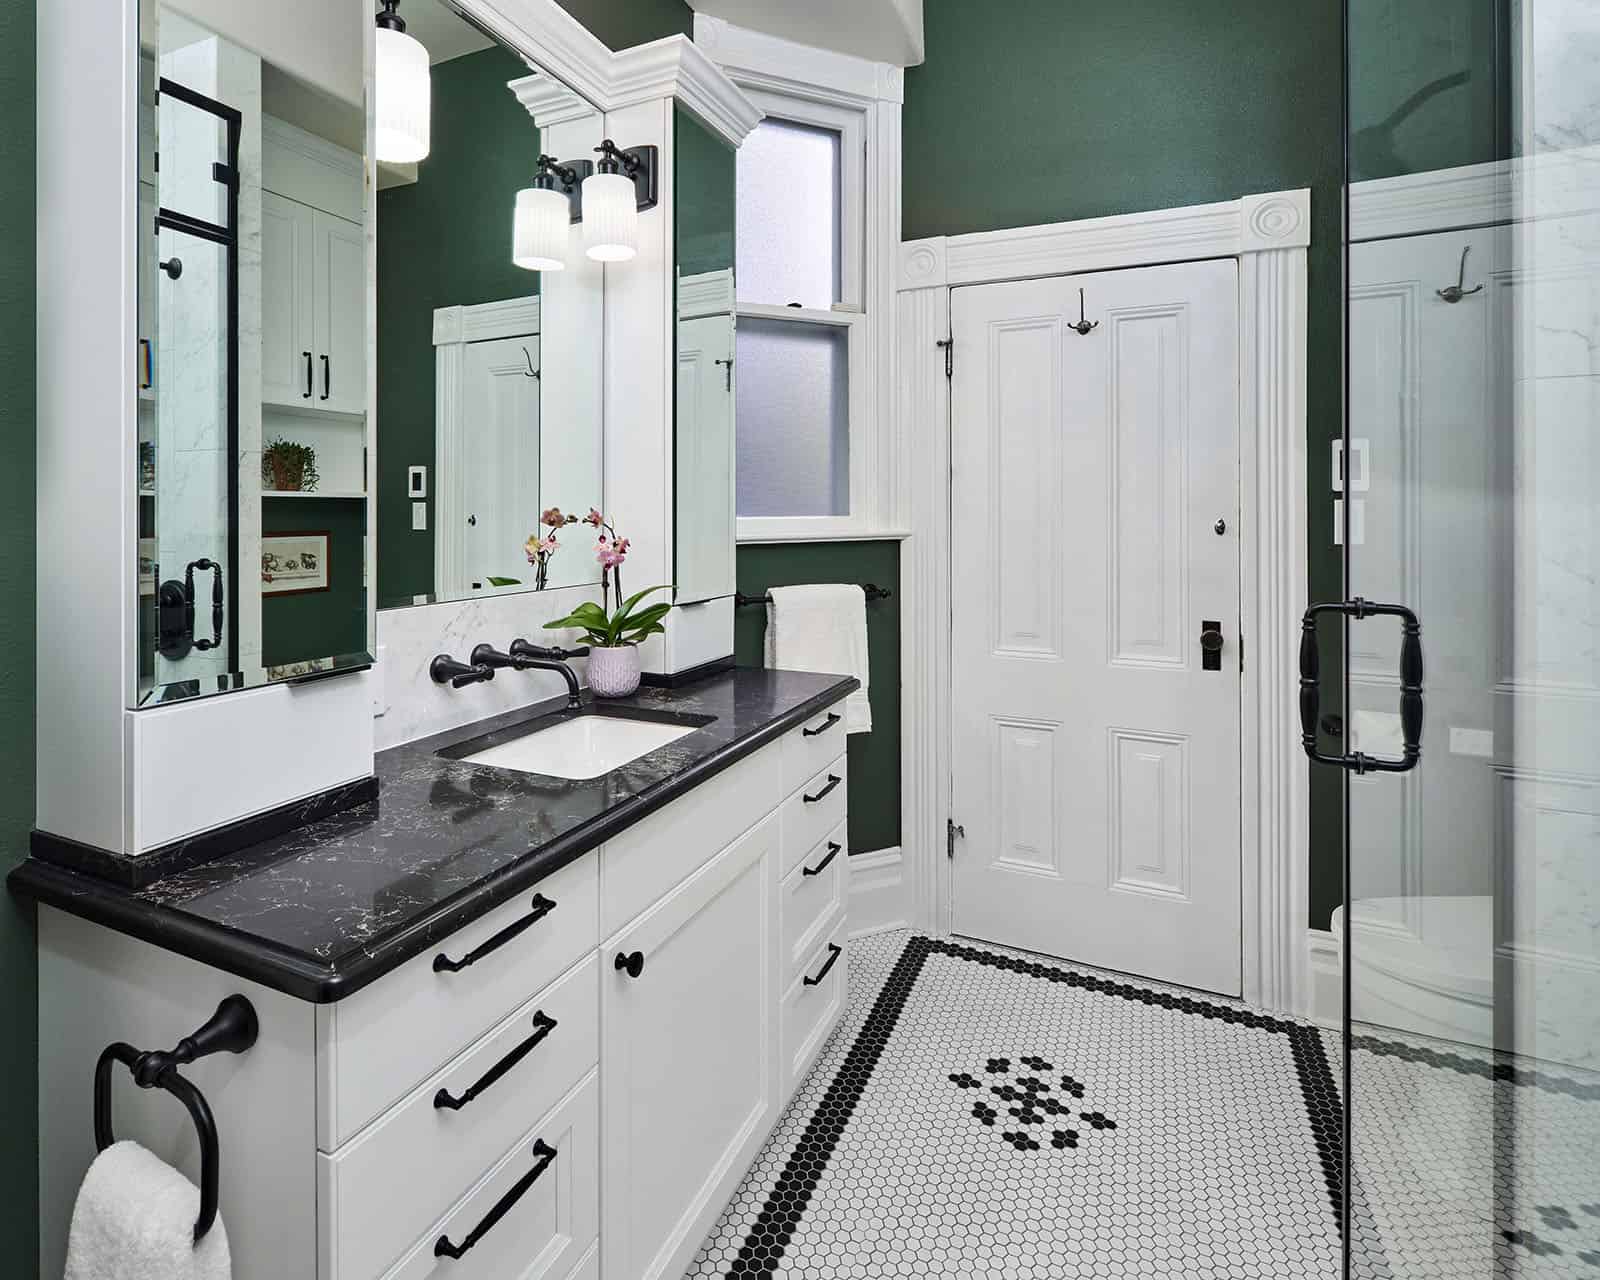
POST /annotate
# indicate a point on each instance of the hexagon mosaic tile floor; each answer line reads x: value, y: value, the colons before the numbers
x: 984, y: 1113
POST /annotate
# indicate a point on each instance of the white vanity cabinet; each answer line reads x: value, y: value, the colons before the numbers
x: 569, y: 1087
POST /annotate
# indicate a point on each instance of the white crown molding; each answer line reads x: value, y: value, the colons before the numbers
x: 549, y: 101
x: 549, y: 37
x: 1254, y: 224
x: 757, y: 60
x: 675, y: 68
x: 1551, y: 184
x: 486, y: 321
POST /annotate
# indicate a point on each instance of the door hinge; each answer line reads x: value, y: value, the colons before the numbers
x: 1241, y: 651
x: 949, y: 346
x: 951, y: 833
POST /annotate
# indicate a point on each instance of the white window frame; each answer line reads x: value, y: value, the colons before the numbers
x: 860, y: 100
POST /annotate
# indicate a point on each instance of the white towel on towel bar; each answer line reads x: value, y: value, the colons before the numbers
x: 823, y: 627
x: 134, y: 1220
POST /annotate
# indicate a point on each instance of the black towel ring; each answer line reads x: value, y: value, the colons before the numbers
x: 233, y: 1028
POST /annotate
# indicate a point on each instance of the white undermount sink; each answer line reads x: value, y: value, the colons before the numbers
x: 583, y: 747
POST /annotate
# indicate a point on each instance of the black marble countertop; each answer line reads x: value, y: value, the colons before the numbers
x: 324, y: 910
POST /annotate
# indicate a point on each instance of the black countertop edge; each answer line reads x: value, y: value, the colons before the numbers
x: 135, y: 872
x: 247, y: 956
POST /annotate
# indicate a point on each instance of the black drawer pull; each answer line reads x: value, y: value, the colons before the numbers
x: 834, y: 949
x: 543, y: 1025
x: 821, y: 729
x: 833, y: 781
x: 307, y: 394
x: 545, y: 1153
x: 542, y: 906
x: 327, y: 377
x: 833, y: 852
x: 632, y: 965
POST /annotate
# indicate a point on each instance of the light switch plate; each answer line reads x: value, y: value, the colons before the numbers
x: 419, y: 516
x: 417, y: 482
x: 1360, y: 478
x: 1358, y: 521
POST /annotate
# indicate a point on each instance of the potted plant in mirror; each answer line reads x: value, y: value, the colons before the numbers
x: 287, y: 467
x: 613, y: 637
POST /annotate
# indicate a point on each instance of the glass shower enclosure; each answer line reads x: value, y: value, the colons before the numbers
x: 1464, y: 710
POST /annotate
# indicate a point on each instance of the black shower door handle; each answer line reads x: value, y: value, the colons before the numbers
x: 1410, y: 687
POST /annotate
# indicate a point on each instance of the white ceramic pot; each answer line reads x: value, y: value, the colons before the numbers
x: 614, y: 672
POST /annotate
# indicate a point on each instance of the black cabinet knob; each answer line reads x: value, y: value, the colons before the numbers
x: 631, y: 964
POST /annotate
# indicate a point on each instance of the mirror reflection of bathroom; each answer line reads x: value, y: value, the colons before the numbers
x: 252, y: 378
x: 488, y: 355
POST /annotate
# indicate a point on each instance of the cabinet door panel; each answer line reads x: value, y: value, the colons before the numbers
x: 689, y: 1053
x: 341, y: 321
x: 286, y: 288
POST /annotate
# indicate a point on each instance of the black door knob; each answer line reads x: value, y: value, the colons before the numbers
x: 631, y: 964
x: 1210, y: 645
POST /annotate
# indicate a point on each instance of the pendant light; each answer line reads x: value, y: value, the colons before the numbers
x: 403, y: 91
x: 542, y: 226
x: 610, y: 209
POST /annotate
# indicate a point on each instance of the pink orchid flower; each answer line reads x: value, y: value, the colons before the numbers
x: 594, y: 518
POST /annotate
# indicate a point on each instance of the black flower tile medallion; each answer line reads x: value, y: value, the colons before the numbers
x: 933, y: 1140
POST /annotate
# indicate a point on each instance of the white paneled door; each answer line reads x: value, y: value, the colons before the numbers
x: 1096, y: 632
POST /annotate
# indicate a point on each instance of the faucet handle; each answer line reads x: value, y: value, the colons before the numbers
x: 458, y: 675
x: 524, y: 649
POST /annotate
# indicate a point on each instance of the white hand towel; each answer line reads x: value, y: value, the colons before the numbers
x: 823, y: 628
x: 134, y: 1220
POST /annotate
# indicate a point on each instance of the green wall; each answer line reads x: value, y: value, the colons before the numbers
x: 622, y: 23
x: 1074, y: 110
x: 318, y: 624
x: 874, y: 757
x: 443, y: 241
x: 19, y: 1204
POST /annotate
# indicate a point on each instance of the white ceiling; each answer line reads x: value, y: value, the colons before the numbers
x: 882, y: 30
x: 443, y: 33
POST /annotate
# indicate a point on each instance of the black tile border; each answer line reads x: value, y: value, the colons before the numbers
x: 785, y: 1205
x: 1501, y: 1071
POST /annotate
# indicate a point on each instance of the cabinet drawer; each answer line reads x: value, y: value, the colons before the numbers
x: 386, y: 1185
x: 547, y: 1233
x: 641, y: 865
x: 817, y: 806
x: 813, y: 746
x: 812, y: 894
x: 382, y: 1041
x: 812, y: 1007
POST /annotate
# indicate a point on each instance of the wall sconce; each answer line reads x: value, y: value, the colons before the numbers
x: 623, y: 184
x: 541, y: 227
x: 403, y: 91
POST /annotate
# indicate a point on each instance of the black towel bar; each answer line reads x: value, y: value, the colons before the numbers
x: 873, y: 593
x: 233, y: 1028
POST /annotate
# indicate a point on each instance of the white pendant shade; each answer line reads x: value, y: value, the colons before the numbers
x: 541, y: 230
x: 404, y: 98
x: 610, y: 218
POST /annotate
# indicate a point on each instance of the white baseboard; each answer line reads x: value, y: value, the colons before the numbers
x: 1324, y: 1002
x: 878, y: 892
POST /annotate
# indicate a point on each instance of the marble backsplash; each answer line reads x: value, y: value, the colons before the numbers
x: 412, y: 706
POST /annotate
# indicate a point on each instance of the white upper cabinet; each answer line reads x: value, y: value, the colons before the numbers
x: 313, y: 279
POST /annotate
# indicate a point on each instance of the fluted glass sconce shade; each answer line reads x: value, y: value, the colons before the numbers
x: 610, y: 217
x: 541, y: 230
x: 404, y: 92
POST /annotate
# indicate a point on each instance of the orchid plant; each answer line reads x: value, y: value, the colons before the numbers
x: 540, y: 547
x: 602, y: 627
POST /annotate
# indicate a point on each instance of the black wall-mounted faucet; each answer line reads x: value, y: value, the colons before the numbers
x: 525, y: 656
x: 458, y: 675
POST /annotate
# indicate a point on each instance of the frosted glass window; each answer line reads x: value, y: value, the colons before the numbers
x: 789, y: 224
x: 793, y: 424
